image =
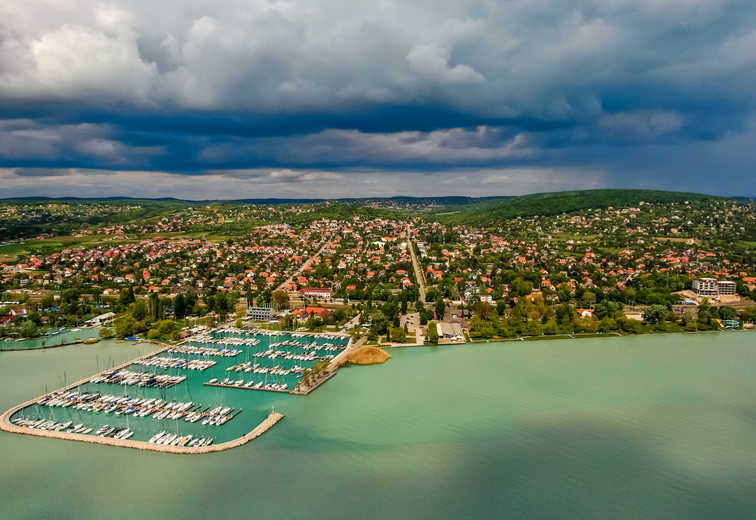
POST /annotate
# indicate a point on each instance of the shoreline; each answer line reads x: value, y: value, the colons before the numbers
x: 614, y: 334
x: 45, y: 347
x: 591, y: 335
x: 42, y: 347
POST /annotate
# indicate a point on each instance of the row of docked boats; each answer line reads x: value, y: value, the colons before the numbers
x: 179, y: 363
x: 50, y: 425
x: 250, y: 385
x: 227, y: 340
x: 114, y: 432
x: 266, y: 332
x: 139, y: 407
x: 256, y: 368
x: 215, y: 417
x: 283, y: 354
x: 314, y: 346
x: 173, y: 439
x: 204, y: 351
x: 141, y: 379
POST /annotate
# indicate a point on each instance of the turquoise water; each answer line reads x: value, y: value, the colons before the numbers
x: 653, y: 427
x: 62, y: 337
x: 255, y: 405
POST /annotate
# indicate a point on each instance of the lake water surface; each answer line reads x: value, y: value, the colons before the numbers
x: 60, y: 337
x: 645, y: 427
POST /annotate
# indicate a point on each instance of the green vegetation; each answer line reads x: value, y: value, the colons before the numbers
x: 315, y: 372
x: 546, y: 204
x: 432, y: 338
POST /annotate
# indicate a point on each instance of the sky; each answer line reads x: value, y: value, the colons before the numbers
x: 229, y: 99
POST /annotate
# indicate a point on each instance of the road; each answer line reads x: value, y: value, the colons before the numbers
x: 353, y: 322
x: 416, y: 266
x: 304, y: 266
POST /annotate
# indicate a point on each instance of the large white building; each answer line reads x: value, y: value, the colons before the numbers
x: 713, y: 287
x: 259, y: 313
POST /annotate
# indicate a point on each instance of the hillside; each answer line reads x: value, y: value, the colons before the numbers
x: 561, y: 202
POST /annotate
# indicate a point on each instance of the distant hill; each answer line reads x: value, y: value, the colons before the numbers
x: 561, y: 202
x: 451, y: 200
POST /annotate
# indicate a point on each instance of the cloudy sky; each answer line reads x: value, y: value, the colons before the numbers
x: 330, y: 98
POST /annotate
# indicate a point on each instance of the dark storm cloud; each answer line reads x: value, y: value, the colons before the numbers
x: 651, y: 92
x: 40, y: 172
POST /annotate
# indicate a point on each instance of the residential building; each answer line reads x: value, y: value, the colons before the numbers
x: 259, y: 313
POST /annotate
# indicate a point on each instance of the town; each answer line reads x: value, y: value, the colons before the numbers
x: 391, y: 275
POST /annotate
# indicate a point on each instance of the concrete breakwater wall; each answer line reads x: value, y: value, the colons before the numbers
x: 261, y: 428
x: 7, y: 425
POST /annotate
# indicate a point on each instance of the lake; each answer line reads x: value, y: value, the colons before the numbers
x: 648, y: 427
x: 59, y: 337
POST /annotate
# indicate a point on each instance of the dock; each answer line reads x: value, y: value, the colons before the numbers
x: 242, y: 387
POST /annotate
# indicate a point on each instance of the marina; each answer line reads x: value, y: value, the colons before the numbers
x: 181, y: 397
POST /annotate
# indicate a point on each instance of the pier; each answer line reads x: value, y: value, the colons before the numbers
x: 306, y: 390
x: 242, y: 387
x: 261, y: 428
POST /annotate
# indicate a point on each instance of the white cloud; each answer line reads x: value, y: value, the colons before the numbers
x: 98, y: 62
x: 523, y: 57
x: 259, y: 183
x: 432, y: 60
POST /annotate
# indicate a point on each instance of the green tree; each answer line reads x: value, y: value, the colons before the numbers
x: 28, y: 329
x: 655, y: 313
x: 749, y: 315
x: 125, y: 326
x: 440, y: 307
x: 379, y: 325
x: 179, y: 306
x: 280, y: 299
x: 126, y: 297
x: 727, y: 313
x: 432, y: 337
x: 139, y: 312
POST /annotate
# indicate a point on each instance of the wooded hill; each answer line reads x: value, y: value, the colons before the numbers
x: 490, y: 211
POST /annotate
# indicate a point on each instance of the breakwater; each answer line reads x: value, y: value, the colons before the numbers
x: 261, y: 428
